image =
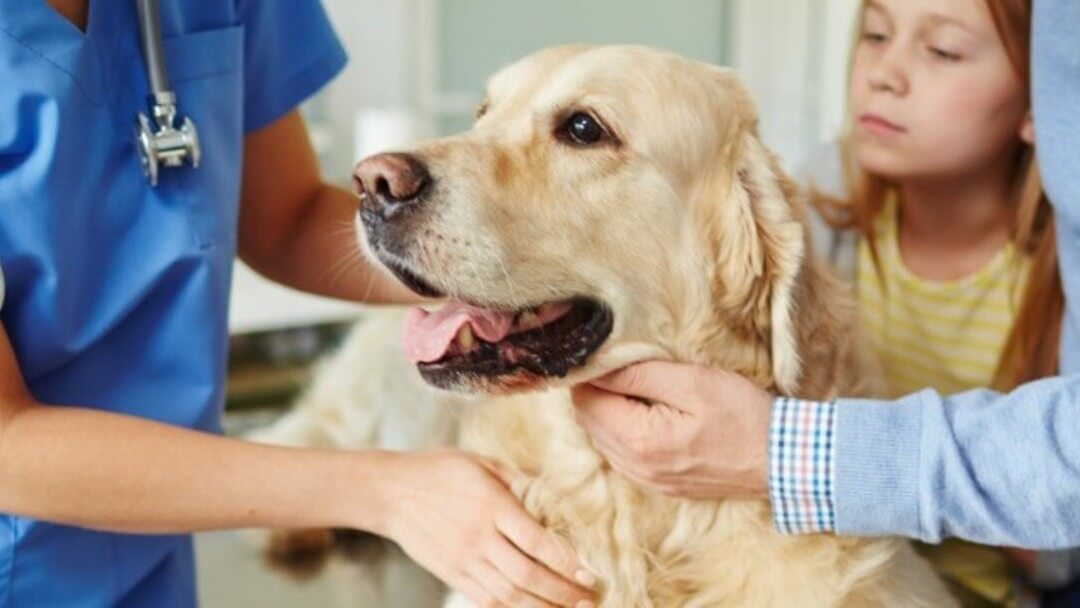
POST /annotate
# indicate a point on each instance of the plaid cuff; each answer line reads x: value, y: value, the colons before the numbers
x: 802, y: 465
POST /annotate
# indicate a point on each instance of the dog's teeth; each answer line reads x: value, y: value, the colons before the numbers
x: 465, y: 337
x: 529, y: 320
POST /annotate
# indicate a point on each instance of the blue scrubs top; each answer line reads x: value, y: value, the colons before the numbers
x: 116, y: 292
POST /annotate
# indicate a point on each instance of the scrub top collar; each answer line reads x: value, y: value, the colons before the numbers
x: 83, y: 56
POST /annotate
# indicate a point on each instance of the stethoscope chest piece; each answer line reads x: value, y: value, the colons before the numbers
x: 160, y: 142
x: 167, y: 146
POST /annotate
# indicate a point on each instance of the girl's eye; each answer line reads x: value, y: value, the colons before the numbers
x: 944, y: 55
x: 873, y: 36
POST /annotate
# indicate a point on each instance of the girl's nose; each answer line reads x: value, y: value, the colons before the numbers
x: 889, y: 73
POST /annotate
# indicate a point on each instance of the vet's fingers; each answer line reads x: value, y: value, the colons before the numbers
x: 504, y: 591
x: 513, y: 479
x: 478, y: 593
x: 535, y: 584
x: 545, y: 548
x: 661, y: 381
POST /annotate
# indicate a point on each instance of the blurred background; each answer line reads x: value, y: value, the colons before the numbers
x: 417, y: 69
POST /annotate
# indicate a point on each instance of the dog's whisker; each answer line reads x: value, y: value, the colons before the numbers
x: 347, y: 255
x: 515, y: 299
x: 336, y: 233
x: 370, y: 284
x: 337, y: 270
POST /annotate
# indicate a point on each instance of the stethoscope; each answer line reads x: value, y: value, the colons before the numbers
x: 167, y: 146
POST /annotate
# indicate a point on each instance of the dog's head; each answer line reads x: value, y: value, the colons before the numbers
x: 610, y: 204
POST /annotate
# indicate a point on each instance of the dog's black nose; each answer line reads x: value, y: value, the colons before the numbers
x: 388, y: 183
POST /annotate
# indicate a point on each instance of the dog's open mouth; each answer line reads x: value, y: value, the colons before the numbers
x: 461, y: 344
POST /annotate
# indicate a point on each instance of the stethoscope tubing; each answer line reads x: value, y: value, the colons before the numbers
x: 150, y: 37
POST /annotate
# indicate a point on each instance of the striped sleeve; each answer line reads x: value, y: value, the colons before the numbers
x: 802, y: 465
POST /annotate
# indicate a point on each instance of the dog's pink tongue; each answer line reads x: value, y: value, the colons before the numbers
x: 428, y: 335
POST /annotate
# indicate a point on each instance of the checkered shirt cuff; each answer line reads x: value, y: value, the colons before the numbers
x: 802, y: 465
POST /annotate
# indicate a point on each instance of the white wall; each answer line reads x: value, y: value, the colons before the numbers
x: 381, y: 38
x: 793, y: 56
x: 839, y: 33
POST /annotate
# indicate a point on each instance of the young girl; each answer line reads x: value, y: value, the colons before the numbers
x: 943, y: 226
x: 943, y: 214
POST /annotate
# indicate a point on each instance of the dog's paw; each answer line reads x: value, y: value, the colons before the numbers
x: 299, y: 554
x: 293, y: 544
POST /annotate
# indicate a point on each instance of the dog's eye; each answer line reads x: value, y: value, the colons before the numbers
x: 583, y: 129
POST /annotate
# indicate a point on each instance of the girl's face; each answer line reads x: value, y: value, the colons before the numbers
x: 932, y: 92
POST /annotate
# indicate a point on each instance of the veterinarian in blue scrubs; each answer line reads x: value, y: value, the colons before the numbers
x: 116, y: 299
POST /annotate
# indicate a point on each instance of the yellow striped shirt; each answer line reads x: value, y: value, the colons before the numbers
x: 946, y: 335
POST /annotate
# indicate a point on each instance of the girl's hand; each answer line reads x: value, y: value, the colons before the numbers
x: 455, y: 515
x: 681, y: 430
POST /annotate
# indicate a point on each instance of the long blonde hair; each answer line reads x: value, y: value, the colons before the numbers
x: 1031, y: 349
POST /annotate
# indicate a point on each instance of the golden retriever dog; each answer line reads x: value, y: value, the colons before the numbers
x: 610, y: 205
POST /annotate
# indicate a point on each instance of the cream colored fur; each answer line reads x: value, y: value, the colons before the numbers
x: 689, y: 231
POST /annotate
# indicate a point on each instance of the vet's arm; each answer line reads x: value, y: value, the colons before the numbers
x: 102, y: 470
x: 298, y: 230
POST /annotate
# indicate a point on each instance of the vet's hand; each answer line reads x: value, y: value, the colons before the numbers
x: 455, y: 515
x: 681, y: 430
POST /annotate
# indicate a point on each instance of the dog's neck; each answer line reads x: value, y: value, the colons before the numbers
x: 726, y: 347
x: 823, y: 318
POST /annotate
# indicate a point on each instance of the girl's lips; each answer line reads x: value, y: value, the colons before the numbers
x: 879, y: 125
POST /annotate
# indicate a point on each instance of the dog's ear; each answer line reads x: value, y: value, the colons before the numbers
x: 754, y: 232
x: 772, y: 198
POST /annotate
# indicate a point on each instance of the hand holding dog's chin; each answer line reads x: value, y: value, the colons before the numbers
x: 681, y: 430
